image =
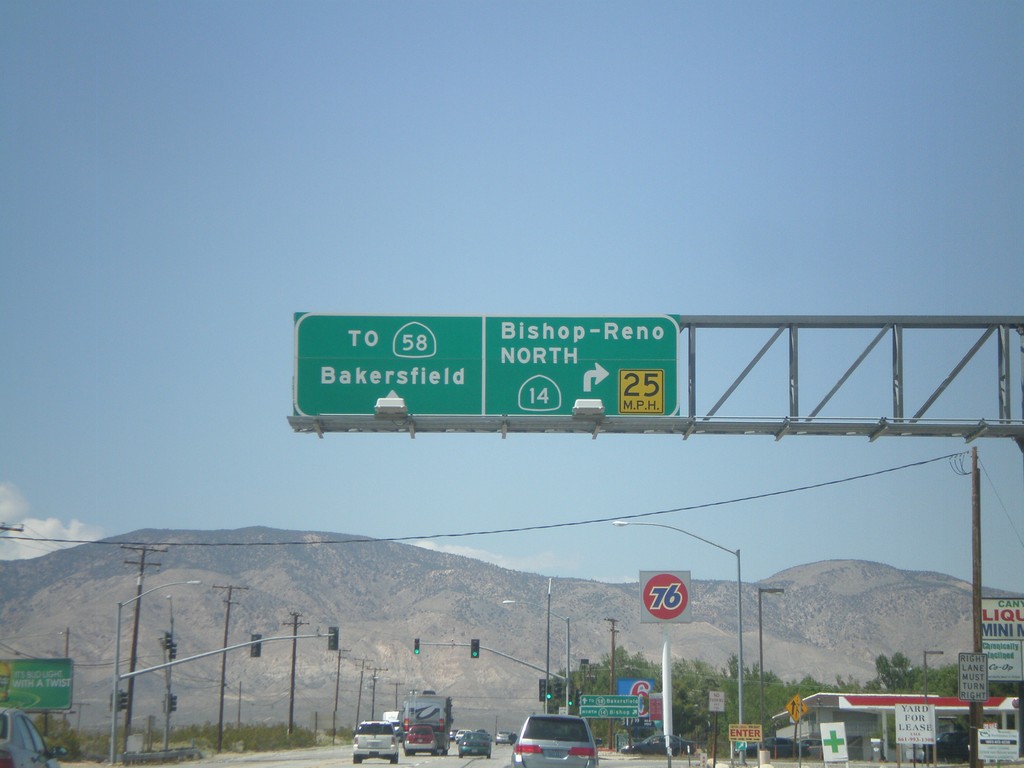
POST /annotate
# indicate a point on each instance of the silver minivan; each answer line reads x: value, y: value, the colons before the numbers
x: 555, y: 741
x: 21, y: 745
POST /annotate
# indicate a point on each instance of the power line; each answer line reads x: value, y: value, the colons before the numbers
x: 522, y: 529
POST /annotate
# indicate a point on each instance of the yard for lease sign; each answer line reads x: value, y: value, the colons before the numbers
x: 915, y: 724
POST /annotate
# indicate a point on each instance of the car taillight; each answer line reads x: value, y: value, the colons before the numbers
x: 5, y: 760
x: 527, y: 749
x: 583, y: 752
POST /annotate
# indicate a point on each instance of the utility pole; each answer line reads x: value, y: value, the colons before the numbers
x: 291, y: 696
x: 611, y: 682
x: 337, y: 688
x: 141, y: 562
x: 373, y: 693
x: 224, y: 661
x: 359, y: 695
x: 976, y: 707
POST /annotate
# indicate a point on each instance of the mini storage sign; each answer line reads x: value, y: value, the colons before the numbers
x: 36, y: 683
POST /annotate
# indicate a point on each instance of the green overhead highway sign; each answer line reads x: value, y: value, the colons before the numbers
x: 487, y: 366
x: 543, y: 365
x: 609, y: 706
x: 344, y: 363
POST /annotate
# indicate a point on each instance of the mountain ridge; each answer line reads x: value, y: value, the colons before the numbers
x: 834, y: 618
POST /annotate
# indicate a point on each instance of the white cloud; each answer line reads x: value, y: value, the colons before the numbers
x: 26, y: 543
x: 536, y: 562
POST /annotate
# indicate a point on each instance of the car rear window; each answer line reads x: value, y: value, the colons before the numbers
x: 546, y: 729
x: 376, y: 729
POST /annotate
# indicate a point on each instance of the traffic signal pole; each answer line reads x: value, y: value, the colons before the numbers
x: 496, y: 652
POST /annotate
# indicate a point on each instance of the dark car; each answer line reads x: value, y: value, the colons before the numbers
x: 476, y: 744
x: 775, y: 746
x: 809, y: 748
x: 21, y: 746
x: 555, y: 741
x: 953, y: 746
x: 655, y: 745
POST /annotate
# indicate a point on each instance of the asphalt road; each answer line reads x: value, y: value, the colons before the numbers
x: 332, y: 757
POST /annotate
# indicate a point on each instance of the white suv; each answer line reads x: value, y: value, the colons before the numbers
x: 375, y: 738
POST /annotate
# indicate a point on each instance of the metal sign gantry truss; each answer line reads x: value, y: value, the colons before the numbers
x: 998, y: 423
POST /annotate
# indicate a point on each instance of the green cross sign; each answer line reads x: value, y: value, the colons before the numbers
x: 833, y: 741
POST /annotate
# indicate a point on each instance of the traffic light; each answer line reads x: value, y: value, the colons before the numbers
x: 474, y: 648
x: 543, y: 690
x: 257, y: 647
x: 172, y: 647
x: 556, y: 689
x: 332, y: 638
x: 572, y: 696
x: 171, y: 703
x: 416, y: 646
x: 122, y: 700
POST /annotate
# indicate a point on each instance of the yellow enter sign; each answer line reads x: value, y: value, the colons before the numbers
x: 641, y: 391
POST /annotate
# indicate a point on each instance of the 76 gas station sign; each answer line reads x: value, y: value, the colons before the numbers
x: 665, y: 596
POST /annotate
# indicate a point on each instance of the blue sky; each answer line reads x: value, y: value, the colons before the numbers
x: 178, y: 179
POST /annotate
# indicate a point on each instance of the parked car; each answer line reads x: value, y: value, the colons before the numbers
x: 375, y: 738
x: 655, y: 745
x: 954, y: 746
x: 21, y: 745
x: 475, y: 743
x: 809, y: 748
x: 420, y: 738
x: 775, y: 746
x: 504, y: 737
x: 555, y: 741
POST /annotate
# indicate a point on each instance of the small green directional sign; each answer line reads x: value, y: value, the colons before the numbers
x: 609, y: 706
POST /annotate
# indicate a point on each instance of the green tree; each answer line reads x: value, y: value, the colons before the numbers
x: 895, y: 674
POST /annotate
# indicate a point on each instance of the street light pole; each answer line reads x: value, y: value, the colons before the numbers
x: 739, y: 594
x: 935, y: 755
x: 117, y: 661
x: 168, y: 692
x: 566, y: 619
x: 760, y: 643
x: 547, y: 648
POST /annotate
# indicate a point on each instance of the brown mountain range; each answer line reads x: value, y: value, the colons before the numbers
x: 832, y: 621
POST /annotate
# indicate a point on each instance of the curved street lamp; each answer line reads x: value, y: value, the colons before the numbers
x: 739, y: 593
x: 117, y: 660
